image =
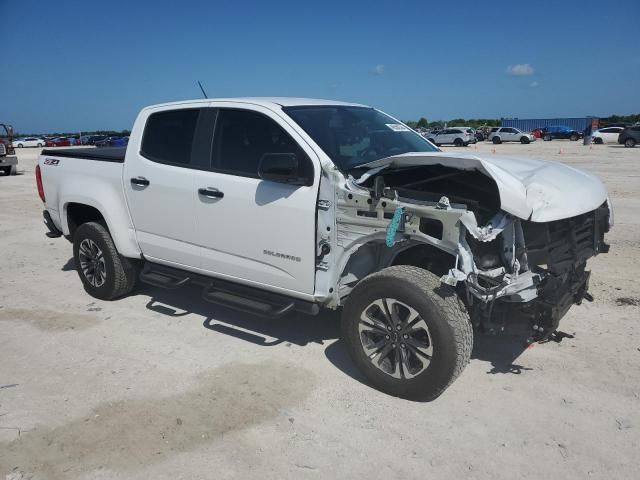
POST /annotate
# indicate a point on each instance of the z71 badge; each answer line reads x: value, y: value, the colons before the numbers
x: 51, y: 161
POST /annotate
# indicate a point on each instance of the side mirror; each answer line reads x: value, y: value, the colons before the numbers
x: 281, y: 168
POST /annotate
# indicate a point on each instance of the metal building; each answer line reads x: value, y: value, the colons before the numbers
x: 528, y: 124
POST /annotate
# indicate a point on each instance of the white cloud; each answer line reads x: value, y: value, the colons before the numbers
x: 520, y: 70
x: 534, y: 84
x: 378, y: 69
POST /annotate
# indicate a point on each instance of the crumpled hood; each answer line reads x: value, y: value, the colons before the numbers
x: 530, y: 189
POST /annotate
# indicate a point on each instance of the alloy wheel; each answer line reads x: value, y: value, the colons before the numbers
x: 395, y: 338
x: 92, y: 262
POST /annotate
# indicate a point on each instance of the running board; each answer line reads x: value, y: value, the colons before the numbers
x: 229, y: 294
x: 247, y: 300
x: 163, y: 277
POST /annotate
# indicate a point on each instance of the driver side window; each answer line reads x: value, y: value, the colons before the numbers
x: 242, y: 137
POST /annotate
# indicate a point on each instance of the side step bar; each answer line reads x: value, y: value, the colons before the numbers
x: 163, y: 277
x: 229, y: 294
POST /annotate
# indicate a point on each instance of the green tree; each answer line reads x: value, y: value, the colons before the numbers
x: 422, y: 123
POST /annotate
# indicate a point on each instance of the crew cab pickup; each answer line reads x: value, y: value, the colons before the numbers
x: 276, y: 205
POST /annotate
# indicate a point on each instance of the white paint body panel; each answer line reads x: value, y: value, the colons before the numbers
x: 257, y: 216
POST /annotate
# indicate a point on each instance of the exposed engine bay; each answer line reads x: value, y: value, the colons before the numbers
x: 450, y: 221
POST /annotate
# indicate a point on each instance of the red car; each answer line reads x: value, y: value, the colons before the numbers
x: 537, y: 132
x: 58, y: 142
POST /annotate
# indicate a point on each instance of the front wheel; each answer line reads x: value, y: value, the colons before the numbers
x: 458, y: 142
x: 574, y: 138
x: 547, y: 138
x: 598, y: 141
x: 105, y: 274
x: 19, y: 145
x: 629, y: 143
x: 496, y: 140
x: 408, y: 334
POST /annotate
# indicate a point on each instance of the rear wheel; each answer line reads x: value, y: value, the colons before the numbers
x: 629, y: 143
x: 547, y: 138
x: 496, y: 140
x: 6, y: 170
x: 409, y: 334
x: 19, y: 145
x: 105, y: 274
x: 598, y: 141
x: 458, y: 142
x: 40, y: 145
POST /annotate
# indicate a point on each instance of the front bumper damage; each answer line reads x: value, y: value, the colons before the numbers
x: 542, y: 272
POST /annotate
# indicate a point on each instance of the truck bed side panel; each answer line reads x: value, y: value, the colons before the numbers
x: 95, y: 183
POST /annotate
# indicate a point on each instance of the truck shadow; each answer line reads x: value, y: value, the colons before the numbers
x: 297, y: 328
x: 500, y: 351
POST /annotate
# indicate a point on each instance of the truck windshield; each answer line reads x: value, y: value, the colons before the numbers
x: 352, y: 136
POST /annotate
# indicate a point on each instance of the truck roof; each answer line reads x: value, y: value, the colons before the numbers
x: 265, y: 101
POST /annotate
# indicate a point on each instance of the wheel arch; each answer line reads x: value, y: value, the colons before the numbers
x: 77, y: 211
x: 374, y: 255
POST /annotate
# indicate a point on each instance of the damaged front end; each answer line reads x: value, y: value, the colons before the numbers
x: 516, y: 268
x: 451, y: 222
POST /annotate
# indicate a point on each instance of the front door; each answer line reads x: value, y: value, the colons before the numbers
x: 251, y: 230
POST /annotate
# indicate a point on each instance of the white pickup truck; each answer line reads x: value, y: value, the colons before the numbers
x: 274, y: 205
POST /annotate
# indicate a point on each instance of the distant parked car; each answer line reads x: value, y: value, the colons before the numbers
x: 630, y: 136
x: 113, y: 142
x: 120, y: 142
x: 607, y: 135
x: 560, y: 131
x: 455, y: 136
x: 96, y: 138
x: 537, y: 132
x: 58, y: 142
x: 510, y: 134
x: 29, y: 142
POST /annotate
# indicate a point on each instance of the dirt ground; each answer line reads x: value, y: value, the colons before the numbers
x: 164, y: 385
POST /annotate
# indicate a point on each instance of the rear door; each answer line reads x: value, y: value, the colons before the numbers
x: 251, y: 230
x: 160, y: 178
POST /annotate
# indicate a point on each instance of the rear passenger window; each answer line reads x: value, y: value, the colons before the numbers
x: 242, y: 137
x: 169, y: 136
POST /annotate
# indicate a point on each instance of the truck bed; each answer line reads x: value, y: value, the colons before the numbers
x: 105, y: 154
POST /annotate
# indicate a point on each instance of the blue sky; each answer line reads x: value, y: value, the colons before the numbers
x: 93, y: 65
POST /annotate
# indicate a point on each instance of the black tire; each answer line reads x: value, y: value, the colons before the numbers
x: 40, y: 145
x: 6, y: 171
x: 598, y: 141
x: 574, y: 137
x: 629, y: 143
x: 432, y: 140
x: 496, y: 140
x: 458, y: 142
x: 119, y: 272
x: 449, y: 331
x: 13, y: 170
x: 19, y: 145
x: 524, y: 140
x: 547, y: 138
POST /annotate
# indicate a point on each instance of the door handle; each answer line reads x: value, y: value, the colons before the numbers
x: 140, y: 181
x: 210, y: 192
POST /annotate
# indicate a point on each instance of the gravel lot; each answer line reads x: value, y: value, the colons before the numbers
x: 164, y: 385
